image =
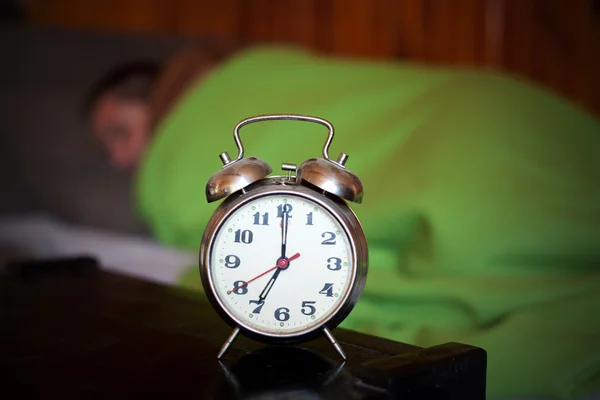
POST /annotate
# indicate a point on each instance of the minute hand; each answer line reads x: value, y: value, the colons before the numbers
x: 284, y: 229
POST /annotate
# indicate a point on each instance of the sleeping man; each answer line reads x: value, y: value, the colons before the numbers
x: 482, y: 195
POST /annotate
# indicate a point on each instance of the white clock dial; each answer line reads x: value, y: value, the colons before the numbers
x: 277, y: 295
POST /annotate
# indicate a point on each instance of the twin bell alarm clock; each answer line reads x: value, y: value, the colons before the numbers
x: 284, y: 258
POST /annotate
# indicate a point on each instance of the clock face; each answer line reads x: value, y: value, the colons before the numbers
x: 281, y: 264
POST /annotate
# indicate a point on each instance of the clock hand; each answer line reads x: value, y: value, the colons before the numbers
x: 251, y: 280
x: 268, y: 286
x: 282, y: 264
x: 283, y: 261
x: 284, y: 229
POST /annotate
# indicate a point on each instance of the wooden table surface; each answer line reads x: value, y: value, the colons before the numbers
x: 71, y: 329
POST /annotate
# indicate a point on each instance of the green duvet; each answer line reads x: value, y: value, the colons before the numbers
x: 481, y: 207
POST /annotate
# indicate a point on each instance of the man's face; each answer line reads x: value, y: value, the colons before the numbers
x: 122, y: 126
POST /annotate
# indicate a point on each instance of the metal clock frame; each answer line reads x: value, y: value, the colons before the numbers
x: 337, y: 208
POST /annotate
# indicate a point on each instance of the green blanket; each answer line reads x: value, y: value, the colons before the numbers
x: 481, y: 208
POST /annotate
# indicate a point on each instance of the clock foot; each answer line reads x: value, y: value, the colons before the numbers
x: 334, y: 343
x: 228, y: 342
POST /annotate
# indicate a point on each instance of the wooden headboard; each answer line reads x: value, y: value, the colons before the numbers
x: 553, y: 42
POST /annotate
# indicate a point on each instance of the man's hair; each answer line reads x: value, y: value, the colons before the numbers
x: 133, y: 80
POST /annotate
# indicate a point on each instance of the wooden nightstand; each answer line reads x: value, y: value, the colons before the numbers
x: 70, y: 329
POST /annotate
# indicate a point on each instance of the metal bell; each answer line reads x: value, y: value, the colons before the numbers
x: 324, y: 173
x: 332, y: 177
x: 235, y: 175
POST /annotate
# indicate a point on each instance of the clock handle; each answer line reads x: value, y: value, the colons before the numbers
x: 274, y: 117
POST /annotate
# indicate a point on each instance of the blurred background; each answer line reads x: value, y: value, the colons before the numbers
x: 554, y: 42
x: 53, y: 50
x: 59, y: 197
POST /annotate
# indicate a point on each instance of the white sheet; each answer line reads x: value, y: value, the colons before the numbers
x: 41, y: 236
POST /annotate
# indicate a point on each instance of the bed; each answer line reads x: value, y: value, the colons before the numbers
x: 58, y: 196
x: 550, y: 42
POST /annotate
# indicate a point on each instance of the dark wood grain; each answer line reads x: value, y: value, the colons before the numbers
x: 557, y: 44
x: 72, y: 330
x: 553, y: 42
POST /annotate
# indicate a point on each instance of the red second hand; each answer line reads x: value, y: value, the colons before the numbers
x: 293, y: 257
x: 281, y: 263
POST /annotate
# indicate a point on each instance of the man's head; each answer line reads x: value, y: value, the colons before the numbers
x: 118, y: 108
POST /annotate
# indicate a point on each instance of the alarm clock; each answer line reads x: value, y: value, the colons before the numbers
x: 284, y: 258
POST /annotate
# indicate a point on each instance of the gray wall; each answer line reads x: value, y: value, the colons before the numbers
x: 47, y: 159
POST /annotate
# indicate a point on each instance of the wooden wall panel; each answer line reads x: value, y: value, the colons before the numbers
x: 557, y: 44
x: 293, y: 21
x: 554, y: 42
x: 494, y: 21
x: 429, y: 30
x: 412, y: 39
x: 114, y: 15
x: 454, y: 30
x: 360, y: 28
x: 206, y: 18
x: 256, y: 21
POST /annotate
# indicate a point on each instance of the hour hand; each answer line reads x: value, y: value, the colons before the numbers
x: 269, y: 285
x: 282, y: 264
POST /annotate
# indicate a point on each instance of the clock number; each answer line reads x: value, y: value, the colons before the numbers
x: 232, y: 261
x: 327, y: 290
x: 284, y: 208
x: 310, y: 309
x: 330, y: 238
x: 257, y: 219
x: 243, y: 236
x: 282, y: 314
x: 240, y: 290
x: 334, y: 263
x: 309, y: 218
x: 259, y: 303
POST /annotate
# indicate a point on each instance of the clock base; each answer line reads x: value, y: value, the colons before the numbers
x: 236, y: 332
